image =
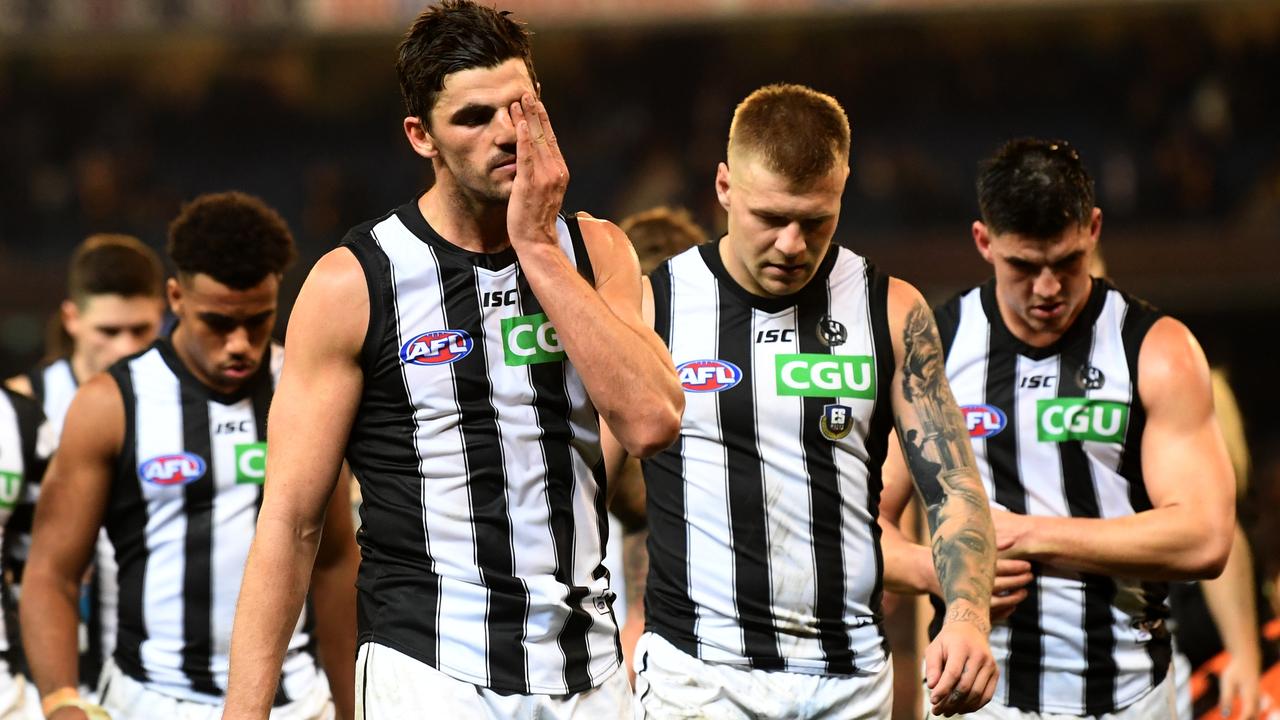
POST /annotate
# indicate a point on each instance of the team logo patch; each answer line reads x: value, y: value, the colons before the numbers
x: 1066, y: 419
x: 176, y: 469
x: 831, y: 331
x: 701, y: 376
x: 1089, y: 377
x: 836, y: 422
x: 10, y: 484
x: 983, y: 420
x: 251, y: 463
x: 438, y: 347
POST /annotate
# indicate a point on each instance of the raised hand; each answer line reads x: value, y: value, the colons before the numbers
x: 541, y: 176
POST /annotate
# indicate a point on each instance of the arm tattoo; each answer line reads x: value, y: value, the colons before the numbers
x: 936, y: 446
x: 635, y: 565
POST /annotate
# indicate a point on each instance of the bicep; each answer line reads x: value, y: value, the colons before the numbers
x: 320, y: 385
x: 896, y: 492
x: 1184, y: 456
x: 77, y: 483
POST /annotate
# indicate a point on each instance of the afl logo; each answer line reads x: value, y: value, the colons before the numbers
x: 178, y: 469
x: 983, y: 420
x: 438, y: 347
x: 702, y: 376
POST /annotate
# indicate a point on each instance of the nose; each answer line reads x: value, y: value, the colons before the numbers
x: 790, y: 240
x: 1047, y: 284
x: 506, y: 131
x: 126, y: 344
x: 238, y: 342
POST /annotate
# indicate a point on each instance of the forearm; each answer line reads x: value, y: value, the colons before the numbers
x: 635, y: 569
x: 49, y: 618
x: 964, y: 554
x: 628, y: 373
x: 908, y: 566
x: 275, y: 581
x: 1171, y: 543
x: 1230, y: 598
x: 334, y: 600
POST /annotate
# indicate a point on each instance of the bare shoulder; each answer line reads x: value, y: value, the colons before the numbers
x: 95, y: 418
x: 903, y: 298
x: 333, y: 305
x: 910, y: 319
x: 1171, y: 364
x: 607, y: 245
x: 20, y: 384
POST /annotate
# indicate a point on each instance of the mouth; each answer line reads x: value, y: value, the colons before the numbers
x: 239, y: 371
x: 505, y: 165
x: 1048, y: 311
x: 786, y: 270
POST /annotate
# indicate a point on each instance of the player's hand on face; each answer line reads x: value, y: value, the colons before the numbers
x: 960, y: 672
x: 541, y: 175
x: 1009, y: 588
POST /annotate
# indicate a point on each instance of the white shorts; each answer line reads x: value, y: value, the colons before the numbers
x: 126, y: 699
x: 18, y: 698
x: 1158, y: 704
x: 673, y: 684
x: 393, y: 686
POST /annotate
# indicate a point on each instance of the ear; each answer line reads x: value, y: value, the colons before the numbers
x: 173, y: 293
x: 982, y: 239
x: 1095, y: 225
x: 419, y: 137
x: 722, y: 185
x: 70, y: 313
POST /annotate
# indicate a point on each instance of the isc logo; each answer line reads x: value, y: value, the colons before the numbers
x: 437, y: 347
x: 983, y: 420
x: 702, y: 376
x: 178, y: 469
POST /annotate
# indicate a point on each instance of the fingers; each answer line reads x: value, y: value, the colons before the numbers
x: 1012, y: 568
x: 948, y: 680
x: 1007, y: 600
x: 1009, y: 583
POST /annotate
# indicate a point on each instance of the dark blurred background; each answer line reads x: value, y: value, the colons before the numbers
x: 113, y: 112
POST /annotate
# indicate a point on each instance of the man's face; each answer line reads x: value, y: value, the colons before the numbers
x: 108, y: 327
x: 779, y: 232
x: 222, y: 333
x: 1041, y: 284
x: 471, y: 132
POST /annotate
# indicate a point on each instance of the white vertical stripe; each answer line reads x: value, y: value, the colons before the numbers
x: 59, y: 388
x: 11, y: 461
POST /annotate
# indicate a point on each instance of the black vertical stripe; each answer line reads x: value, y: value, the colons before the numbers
x: 126, y: 523
x: 382, y: 452
x: 197, y: 576
x: 660, y: 281
x: 877, y: 440
x: 825, y: 504
x: 1138, y: 319
x: 748, y: 525
x: 552, y: 407
x: 581, y: 258
x: 1082, y: 501
x: 36, y: 378
x: 491, y: 522
x: 1024, y: 666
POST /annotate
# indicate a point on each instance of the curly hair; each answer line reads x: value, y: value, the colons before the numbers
x: 232, y: 237
x: 450, y: 37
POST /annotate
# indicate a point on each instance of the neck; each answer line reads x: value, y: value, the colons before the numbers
x: 80, y: 368
x: 464, y: 220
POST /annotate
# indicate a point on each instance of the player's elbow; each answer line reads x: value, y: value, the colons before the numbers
x: 1208, y: 557
x: 654, y: 430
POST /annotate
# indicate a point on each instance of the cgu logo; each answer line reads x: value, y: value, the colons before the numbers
x: 822, y: 375
x: 178, y: 469
x: 437, y: 347
x: 529, y: 340
x: 702, y: 376
x: 983, y: 420
x: 1065, y: 419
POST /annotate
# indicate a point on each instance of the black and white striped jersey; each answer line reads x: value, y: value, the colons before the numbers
x: 53, y: 385
x: 26, y: 441
x: 763, y: 543
x: 1057, y: 432
x: 181, y: 514
x: 478, y: 455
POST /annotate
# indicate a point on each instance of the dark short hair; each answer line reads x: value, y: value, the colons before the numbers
x: 450, y: 37
x: 106, y: 264
x: 1036, y: 188
x: 660, y: 232
x: 232, y: 237
x: 798, y: 132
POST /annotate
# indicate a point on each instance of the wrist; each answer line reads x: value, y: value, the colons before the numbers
x: 926, y: 572
x: 69, y: 697
x: 965, y: 612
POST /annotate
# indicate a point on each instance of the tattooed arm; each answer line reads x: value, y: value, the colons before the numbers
x: 959, y: 669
